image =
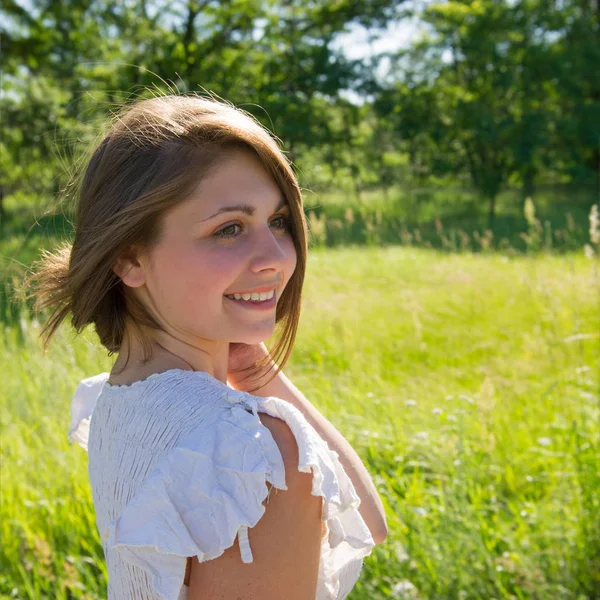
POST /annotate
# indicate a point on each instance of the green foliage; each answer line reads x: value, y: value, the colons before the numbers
x: 493, y: 90
x: 496, y: 93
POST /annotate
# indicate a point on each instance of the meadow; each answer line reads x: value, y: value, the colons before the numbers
x: 466, y: 377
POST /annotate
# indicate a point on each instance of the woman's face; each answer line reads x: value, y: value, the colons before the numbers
x: 232, y: 236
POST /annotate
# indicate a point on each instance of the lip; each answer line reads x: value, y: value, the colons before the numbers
x: 265, y: 288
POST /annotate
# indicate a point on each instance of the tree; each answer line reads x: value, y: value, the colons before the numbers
x: 476, y: 95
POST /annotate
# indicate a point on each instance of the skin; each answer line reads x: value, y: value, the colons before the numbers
x: 184, y: 278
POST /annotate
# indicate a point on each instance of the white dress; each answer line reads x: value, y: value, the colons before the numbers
x: 178, y: 465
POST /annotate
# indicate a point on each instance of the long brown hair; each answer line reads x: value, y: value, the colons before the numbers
x: 153, y: 155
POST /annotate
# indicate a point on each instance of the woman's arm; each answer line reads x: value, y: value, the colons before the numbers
x: 371, y: 508
x: 285, y: 543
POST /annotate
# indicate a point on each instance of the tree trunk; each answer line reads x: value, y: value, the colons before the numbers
x: 492, y: 212
x: 355, y: 180
x: 528, y: 182
x: 412, y: 159
x: 597, y: 165
x: 596, y: 96
x: 189, y: 35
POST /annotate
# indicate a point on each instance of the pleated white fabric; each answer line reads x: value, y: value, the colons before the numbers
x: 179, y: 465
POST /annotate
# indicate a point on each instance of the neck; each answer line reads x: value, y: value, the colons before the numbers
x: 171, y: 352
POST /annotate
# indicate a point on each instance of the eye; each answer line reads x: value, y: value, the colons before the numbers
x: 283, y: 222
x: 223, y: 232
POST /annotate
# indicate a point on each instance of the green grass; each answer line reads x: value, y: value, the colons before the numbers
x: 468, y: 383
x: 464, y: 371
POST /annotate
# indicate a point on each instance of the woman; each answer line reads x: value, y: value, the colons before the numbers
x: 212, y: 475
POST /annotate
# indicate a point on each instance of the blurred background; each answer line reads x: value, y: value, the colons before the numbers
x: 458, y: 110
x: 449, y: 154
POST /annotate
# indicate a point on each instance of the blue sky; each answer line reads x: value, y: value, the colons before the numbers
x: 399, y: 34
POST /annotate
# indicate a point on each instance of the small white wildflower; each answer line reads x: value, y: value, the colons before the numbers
x: 370, y: 394
x: 400, y: 552
x: 467, y: 399
x: 457, y: 462
x: 451, y: 418
x: 368, y: 433
x: 420, y: 511
x: 421, y: 435
x: 451, y: 397
x: 544, y: 441
x: 437, y: 411
x: 410, y: 403
x: 404, y: 589
x: 529, y: 478
x: 380, y: 480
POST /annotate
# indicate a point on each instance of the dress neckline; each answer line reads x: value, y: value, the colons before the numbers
x: 154, y: 376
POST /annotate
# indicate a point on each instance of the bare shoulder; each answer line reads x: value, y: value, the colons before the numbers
x: 286, y: 442
x: 285, y: 543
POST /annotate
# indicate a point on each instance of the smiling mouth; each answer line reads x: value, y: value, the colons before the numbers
x: 267, y: 304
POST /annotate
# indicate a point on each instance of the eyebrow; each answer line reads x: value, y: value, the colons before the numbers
x: 245, y: 208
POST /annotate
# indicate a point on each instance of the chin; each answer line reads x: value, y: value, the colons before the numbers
x: 257, y: 337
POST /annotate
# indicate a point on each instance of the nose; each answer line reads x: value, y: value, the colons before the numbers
x: 272, y: 252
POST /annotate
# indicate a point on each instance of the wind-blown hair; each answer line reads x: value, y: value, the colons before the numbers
x: 154, y: 154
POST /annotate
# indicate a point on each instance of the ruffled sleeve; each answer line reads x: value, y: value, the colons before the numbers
x: 211, y: 486
x: 82, y: 407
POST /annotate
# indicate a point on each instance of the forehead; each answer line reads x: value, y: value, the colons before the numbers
x: 239, y: 177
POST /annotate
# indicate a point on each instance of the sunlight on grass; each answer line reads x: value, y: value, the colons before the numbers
x: 467, y: 383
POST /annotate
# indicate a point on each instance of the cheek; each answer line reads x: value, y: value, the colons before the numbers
x: 204, y: 274
x: 181, y: 276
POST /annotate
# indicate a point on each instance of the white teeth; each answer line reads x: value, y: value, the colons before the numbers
x: 267, y: 295
x: 255, y: 297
